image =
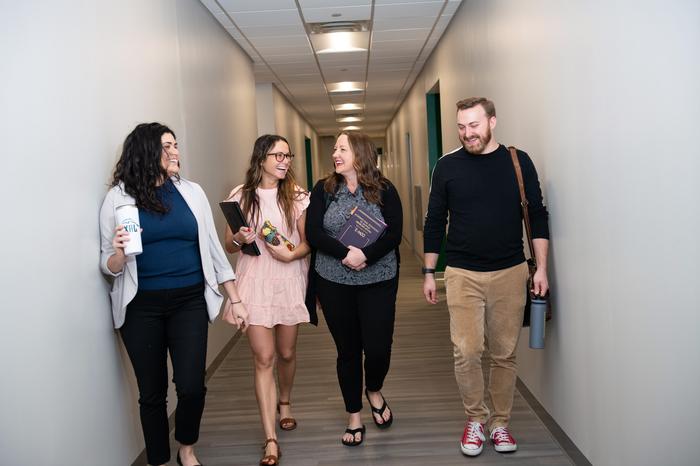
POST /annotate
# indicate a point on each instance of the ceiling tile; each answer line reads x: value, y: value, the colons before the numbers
x: 400, y: 34
x: 408, y: 10
x: 347, y: 13
x: 381, y: 24
x: 284, y: 50
x: 274, y: 27
x: 256, y: 5
x: 407, y: 44
x: 332, y: 3
x: 306, y: 59
x: 347, y: 59
x: 270, y: 19
x: 281, y: 41
x: 275, y: 30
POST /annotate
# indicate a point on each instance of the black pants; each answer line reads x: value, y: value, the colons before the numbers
x: 360, y: 318
x: 159, y: 321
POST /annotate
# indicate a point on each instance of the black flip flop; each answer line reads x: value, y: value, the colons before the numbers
x: 380, y: 412
x: 353, y: 442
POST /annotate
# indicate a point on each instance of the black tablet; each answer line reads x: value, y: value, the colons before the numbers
x: 234, y: 216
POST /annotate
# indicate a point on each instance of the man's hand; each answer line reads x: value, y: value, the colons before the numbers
x: 430, y: 289
x: 540, y: 285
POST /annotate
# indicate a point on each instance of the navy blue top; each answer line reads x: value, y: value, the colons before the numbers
x: 170, y: 257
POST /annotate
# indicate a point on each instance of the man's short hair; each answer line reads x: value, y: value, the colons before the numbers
x: 488, y: 105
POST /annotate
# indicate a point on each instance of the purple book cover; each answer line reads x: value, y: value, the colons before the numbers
x: 361, y: 229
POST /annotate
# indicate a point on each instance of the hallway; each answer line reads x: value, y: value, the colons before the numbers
x: 420, y: 388
x: 602, y: 95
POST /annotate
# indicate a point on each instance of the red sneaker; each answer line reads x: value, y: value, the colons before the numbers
x: 473, y: 438
x: 503, y: 442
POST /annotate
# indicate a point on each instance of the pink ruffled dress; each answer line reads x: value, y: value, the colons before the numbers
x: 273, y: 291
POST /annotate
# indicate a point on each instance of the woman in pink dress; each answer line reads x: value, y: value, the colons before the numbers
x: 272, y: 285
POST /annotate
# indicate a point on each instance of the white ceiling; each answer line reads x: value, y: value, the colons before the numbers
x: 274, y: 34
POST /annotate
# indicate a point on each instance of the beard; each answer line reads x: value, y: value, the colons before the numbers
x: 477, y: 143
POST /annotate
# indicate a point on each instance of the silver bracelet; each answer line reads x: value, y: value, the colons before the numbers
x: 236, y: 243
x: 235, y: 302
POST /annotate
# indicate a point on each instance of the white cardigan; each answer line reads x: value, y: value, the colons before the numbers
x: 215, y: 265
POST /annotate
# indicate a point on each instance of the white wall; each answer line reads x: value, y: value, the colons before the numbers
x: 604, y: 96
x: 276, y: 115
x: 76, y: 78
x: 325, y: 159
x: 264, y: 100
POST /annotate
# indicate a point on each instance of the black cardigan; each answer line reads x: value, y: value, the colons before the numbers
x: 320, y: 240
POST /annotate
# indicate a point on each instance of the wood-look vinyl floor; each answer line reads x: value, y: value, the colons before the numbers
x: 420, y: 388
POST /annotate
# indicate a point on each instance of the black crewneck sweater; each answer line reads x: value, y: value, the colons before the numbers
x: 481, y: 194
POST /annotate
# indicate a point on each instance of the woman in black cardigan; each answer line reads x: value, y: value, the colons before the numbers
x: 357, y: 287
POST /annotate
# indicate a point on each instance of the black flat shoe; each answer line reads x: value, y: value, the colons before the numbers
x: 179, y: 461
x: 380, y: 412
x: 353, y: 432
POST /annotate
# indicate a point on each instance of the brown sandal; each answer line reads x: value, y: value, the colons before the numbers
x: 265, y: 460
x: 288, y: 423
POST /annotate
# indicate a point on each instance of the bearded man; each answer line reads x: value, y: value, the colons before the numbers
x: 486, y: 272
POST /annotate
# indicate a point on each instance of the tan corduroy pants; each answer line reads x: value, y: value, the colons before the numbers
x: 486, y: 312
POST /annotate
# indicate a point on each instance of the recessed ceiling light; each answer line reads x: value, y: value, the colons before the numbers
x: 346, y: 86
x: 338, y: 42
x: 350, y: 119
x: 348, y: 107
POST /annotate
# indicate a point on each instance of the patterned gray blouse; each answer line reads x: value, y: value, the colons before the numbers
x: 337, y: 214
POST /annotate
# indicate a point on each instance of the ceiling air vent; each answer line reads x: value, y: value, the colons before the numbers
x: 339, y: 36
x: 338, y: 26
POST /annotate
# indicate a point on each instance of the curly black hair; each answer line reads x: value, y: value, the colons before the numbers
x: 139, y: 166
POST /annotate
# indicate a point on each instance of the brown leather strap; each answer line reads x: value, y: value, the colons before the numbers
x: 270, y: 440
x: 523, y: 201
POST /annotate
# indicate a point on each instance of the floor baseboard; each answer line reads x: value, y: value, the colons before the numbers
x: 569, y: 447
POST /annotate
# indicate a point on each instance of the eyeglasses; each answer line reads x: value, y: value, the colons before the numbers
x: 280, y: 156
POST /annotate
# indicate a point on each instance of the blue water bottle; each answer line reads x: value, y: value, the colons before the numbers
x: 538, y: 311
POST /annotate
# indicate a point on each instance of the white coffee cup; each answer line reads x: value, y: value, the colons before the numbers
x: 128, y: 215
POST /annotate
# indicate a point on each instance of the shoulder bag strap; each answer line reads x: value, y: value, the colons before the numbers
x: 523, y: 201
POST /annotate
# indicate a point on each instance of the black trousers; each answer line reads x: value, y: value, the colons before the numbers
x: 360, y: 319
x: 159, y: 321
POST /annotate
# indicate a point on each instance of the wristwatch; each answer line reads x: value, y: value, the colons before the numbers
x: 425, y: 270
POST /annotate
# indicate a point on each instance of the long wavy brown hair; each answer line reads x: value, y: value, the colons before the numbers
x: 287, y: 189
x: 365, y: 164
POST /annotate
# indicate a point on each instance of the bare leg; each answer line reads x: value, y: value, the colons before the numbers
x: 262, y: 345
x: 286, y: 343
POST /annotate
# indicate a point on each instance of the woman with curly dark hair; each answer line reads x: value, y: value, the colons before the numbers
x: 272, y: 284
x: 164, y: 298
x: 356, y: 287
